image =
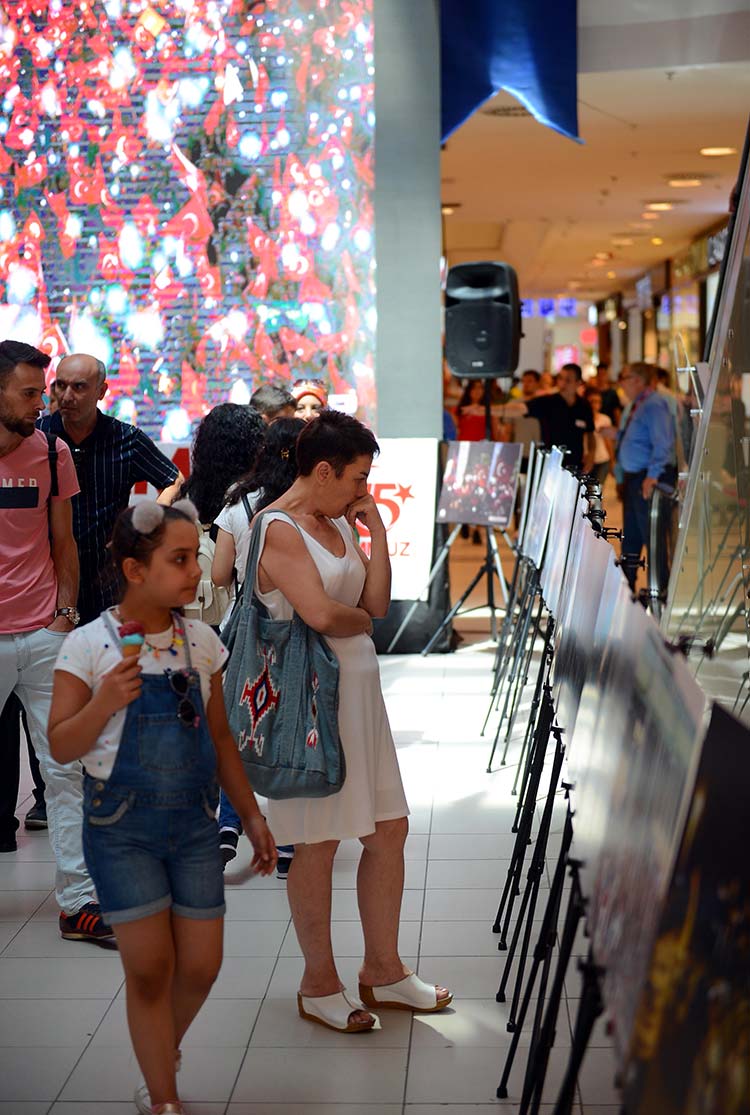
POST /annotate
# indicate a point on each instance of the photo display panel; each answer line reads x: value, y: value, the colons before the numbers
x: 540, y: 510
x: 186, y: 193
x: 576, y: 653
x: 480, y: 483
x: 601, y: 728
x: 655, y: 735
x: 691, y: 1044
x: 564, y: 508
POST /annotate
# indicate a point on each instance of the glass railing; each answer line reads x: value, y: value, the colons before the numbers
x: 710, y: 580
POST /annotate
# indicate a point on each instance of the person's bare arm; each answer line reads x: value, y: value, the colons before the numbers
x: 169, y: 494
x: 233, y: 781
x: 222, y: 567
x: 589, y: 451
x: 64, y: 558
x: 513, y: 409
x: 78, y: 717
x: 287, y: 565
x: 376, y: 595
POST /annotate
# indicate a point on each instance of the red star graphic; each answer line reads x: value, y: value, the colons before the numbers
x: 403, y: 494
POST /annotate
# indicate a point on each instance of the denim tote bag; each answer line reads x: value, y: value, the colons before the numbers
x: 281, y: 691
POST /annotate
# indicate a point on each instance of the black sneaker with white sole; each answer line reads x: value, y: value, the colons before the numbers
x: 228, y: 841
x: 36, y: 818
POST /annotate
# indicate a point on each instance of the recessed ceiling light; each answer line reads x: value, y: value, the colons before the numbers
x: 717, y: 152
x: 650, y: 216
x: 685, y: 183
x: 622, y: 241
x: 604, y: 256
x: 447, y: 210
x: 597, y: 262
x: 611, y: 274
x: 659, y: 206
x: 657, y: 240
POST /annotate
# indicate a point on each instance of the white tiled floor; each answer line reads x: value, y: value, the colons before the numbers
x: 63, y: 1038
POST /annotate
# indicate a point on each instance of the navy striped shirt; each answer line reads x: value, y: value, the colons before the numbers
x: 108, y: 462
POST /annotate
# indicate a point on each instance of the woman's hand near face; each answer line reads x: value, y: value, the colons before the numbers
x: 366, y: 511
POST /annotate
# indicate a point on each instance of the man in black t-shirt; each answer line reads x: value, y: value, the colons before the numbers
x: 564, y: 417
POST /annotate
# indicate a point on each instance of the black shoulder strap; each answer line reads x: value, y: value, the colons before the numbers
x: 52, y: 458
x: 246, y: 505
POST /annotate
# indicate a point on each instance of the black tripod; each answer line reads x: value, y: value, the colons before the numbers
x: 491, y: 566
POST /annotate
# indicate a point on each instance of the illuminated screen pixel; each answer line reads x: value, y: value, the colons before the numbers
x: 186, y: 193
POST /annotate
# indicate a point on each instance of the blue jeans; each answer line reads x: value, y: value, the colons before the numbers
x: 228, y: 819
x: 228, y: 816
x: 636, y: 527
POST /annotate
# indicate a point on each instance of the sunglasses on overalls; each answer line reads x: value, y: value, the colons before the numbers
x: 187, y: 713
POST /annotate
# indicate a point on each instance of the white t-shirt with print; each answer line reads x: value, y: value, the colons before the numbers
x: 90, y: 652
x: 233, y: 519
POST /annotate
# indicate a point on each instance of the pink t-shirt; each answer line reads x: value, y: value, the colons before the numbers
x: 28, y: 585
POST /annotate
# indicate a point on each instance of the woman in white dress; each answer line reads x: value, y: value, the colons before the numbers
x: 310, y: 563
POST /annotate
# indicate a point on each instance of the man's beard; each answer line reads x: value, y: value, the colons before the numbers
x: 23, y: 426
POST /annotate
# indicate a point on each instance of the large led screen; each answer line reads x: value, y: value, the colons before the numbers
x: 186, y: 193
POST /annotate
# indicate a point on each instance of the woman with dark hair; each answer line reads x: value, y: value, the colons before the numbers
x: 225, y: 447
x: 310, y: 564
x: 274, y: 472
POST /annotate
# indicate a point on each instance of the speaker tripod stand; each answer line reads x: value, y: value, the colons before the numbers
x: 490, y: 568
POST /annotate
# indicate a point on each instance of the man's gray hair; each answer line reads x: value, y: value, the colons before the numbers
x: 101, y: 372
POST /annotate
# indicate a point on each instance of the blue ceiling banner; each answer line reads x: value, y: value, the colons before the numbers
x: 527, y: 47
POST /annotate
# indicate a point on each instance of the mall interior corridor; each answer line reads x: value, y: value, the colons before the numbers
x: 64, y: 1046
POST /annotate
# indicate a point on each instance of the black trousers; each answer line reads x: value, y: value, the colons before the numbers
x: 11, y: 719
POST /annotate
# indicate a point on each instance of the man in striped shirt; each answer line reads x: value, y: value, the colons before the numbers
x: 110, y: 457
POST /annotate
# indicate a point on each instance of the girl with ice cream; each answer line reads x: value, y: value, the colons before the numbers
x: 138, y: 698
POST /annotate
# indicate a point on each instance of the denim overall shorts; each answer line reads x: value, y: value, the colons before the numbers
x: 150, y: 837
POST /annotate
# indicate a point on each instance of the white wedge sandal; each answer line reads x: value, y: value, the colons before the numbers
x: 409, y: 993
x: 334, y: 1012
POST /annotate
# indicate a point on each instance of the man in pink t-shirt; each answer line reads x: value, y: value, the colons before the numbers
x: 38, y: 592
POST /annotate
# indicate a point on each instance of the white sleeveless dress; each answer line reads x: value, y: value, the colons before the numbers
x: 372, y: 790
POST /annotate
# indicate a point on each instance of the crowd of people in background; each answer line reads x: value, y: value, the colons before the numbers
x: 635, y: 429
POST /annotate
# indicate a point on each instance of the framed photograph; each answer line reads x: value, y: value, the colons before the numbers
x: 480, y: 483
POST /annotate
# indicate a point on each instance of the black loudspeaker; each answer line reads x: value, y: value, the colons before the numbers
x: 482, y: 320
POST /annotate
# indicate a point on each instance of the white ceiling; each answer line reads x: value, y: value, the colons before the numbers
x: 546, y: 205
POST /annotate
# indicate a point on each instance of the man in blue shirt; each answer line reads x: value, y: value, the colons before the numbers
x: 645, y: 456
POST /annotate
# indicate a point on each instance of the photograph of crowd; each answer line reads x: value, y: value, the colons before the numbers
x: 479, y: 483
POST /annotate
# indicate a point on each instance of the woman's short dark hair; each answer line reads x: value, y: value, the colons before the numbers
x: 127, y: 542
x: 336, y: 438
x: 225, y: 447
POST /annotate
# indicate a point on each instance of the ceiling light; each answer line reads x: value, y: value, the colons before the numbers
x: 650, y: 216
x: 622, y: 241
x: 604, y: 256
x: 716, y: 152
x: 611, y: 274
x: 447, y: 210
x: 659, y: 206
x: 684, y: 183
x: 657, y: 240
x: 597, y: 262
